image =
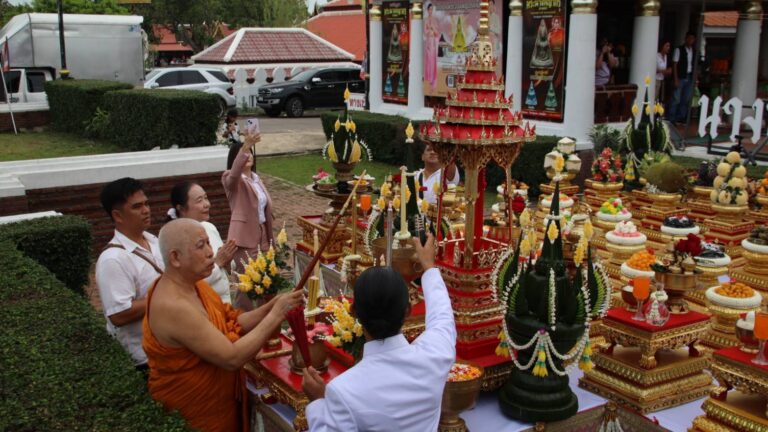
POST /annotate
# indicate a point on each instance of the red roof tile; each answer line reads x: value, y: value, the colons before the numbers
x: 721, y: 19
x: 273, y: 46
x: 344, y: 29
x: 342, y: 5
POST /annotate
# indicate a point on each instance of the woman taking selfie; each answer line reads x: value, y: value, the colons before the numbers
x: 250, y: 225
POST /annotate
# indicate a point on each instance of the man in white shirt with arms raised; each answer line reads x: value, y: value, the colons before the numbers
x: 397, y: 386
x: 128, y: 265
x: 429, y: 176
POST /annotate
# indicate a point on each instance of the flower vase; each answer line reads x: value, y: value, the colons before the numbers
x: 458, y: 396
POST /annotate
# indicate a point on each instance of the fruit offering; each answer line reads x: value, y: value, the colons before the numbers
x: 759, y: 235
x: 642, y: 260
x: 729, y: 187
x: 463, y: 372
x: 736, y: 290
x: 613, y: 206
x: 762, y: 187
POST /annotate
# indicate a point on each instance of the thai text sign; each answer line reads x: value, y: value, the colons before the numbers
x: 733, y: 108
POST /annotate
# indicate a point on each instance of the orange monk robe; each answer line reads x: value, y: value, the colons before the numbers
x: 210, y: 398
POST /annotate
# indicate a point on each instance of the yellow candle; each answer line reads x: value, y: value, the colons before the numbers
x: 403, y: 187
x: 317, y: 249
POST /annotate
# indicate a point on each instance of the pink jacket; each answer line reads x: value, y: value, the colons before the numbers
x: 244, y: 226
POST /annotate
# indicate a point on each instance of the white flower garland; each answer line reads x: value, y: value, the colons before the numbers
x: 552, y: 299
x: 367, y: 235
x: 495, y: 274
x: 598, y: 266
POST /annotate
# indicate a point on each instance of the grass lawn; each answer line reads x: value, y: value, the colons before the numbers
x: 756, y: 172
x: 48, y: 144
x: 299, y: 169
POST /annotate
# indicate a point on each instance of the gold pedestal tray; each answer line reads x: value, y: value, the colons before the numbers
x: 622, y: 253
x: 738, y: 413
x: 722, y: 330
x: 549, y: 189
x: 756, y: 281
x: 676, y: 380
x: 743, y: 409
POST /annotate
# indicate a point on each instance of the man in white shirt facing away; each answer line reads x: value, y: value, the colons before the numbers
x: 129, y: 264
x: 397, y: 386
x: 429, y: 176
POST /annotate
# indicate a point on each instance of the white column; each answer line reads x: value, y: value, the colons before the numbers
x: 514, y: 76
x: 580, y: 77
x: 375, y: 47
x: 645, y: 41
x: 416, y: 62
x: 745, y: 57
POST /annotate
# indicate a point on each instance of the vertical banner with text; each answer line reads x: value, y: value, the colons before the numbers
x: 544, y: 37
x: 396, y: 35
x: 450, y: 28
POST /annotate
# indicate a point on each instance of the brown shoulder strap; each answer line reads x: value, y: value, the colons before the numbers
x: 136, y: 252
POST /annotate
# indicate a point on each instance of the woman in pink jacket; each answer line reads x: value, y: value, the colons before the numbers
x: 250, y: 225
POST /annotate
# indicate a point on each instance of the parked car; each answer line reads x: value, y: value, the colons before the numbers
x: 26, y: 84
x: 310, y: 89
x: 209, y: 80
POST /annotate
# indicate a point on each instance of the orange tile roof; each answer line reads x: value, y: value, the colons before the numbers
x: 721, y: 19
x: 345, y: 29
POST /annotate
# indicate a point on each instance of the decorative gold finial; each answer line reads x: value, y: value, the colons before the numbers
x: 484, y: 14
x: 584, y: 6
x: 375, y: 13
x: 516, y: 8
x: 416, y: 11
x: 346, y: 94
x: 649, y: 8
x: 409, y: 133
x: 753, y: 10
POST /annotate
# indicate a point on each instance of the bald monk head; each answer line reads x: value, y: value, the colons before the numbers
x: 187, y: 254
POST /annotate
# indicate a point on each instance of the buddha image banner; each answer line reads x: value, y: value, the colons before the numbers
x: 544, y: 36
x: 450, y: 28
x: 395, y: 36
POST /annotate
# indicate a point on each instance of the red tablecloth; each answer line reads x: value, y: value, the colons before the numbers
x: 735, y: 354
x: 623, y: 316
x: 280, y: 368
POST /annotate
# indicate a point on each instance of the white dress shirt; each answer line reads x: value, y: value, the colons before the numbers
x: 255, y: 183
x: 661, y: 65
x: 397, y: 386
x: 429, y: 183
x: 123, y: 277
x: 218, y: 280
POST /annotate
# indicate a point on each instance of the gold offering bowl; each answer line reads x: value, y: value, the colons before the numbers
x: 703, y: 192
x: 677, y: 285
x: 458, y: 396
x: 603, y: 187
x: 622, y: 253
x: 318, y: 354
x: 762, y: 200
x: 404, y: 259
x: 725, y: 316
x: 730, y: 213
x: 708, y: 276
x: 757, y: 263
x: 664, y: 200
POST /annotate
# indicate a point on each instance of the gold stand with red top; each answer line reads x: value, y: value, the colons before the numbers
x: 650, y: 368
x: 739, y: 402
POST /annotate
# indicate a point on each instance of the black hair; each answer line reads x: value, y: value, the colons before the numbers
x: 180, y: 196
x: 690, y: 33
x: 663, y: 42
x: 381, y: 302
x: 430, y: 6
x: 116, y: 193
x: 234, y: 149
x: 232, y: 113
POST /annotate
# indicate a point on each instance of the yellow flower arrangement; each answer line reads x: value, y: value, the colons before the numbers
x: 552, y: 232
x: 635, y: 109
x: 347, y: 331
x: 559, y: 163
x: 261, y: 276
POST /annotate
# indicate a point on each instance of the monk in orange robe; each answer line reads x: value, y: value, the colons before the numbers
x: 196, y: 345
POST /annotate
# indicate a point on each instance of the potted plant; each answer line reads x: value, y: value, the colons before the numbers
x: 607, y: 172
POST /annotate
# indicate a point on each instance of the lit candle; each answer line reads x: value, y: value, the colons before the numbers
x: 317, y: 249
x: 389, y: 234
x: 403, y: 234
x: 314, y: 288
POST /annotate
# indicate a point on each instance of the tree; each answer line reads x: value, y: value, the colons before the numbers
x: 97, y: 7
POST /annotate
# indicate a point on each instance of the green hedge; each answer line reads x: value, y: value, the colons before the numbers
x: 143, y: 119
x: 61, y: 244
x: 73, y: 103
x: 59, y: 369
x: 384, y: 135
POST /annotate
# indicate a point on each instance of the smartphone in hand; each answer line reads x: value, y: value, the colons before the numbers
x: 252, y: 126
